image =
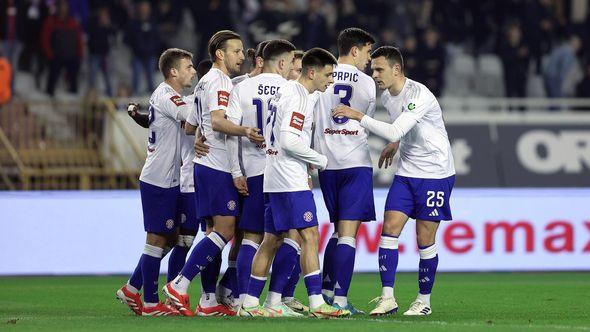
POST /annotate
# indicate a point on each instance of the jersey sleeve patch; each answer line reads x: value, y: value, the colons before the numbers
x: 297, y: 120
x: 177, y: 100
x: 222, y: 98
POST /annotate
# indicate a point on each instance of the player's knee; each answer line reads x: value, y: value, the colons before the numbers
x: 157, y: 240
x: 310, y: 235
x: 391, y: 228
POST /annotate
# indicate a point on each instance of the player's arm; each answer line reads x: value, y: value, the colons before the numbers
x: 234, y: 115
x: 393, y: 132
x: 139, y: 118
x: 191, y: 128
x: 290, y: 135
x: 221, y: 124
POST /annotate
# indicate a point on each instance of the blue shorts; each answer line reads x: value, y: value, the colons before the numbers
x: 348, y: 193
x: 252, y: 215
x: 187, y: 212
x: 289, y: 210
x: 216, y: 193
x: 424, y: 199
x: 159, y: 207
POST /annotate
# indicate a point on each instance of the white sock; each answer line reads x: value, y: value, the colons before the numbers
x: 288, y: 299
x: 180, y: 284
x: 328, y: 293
x: 387, y: 292
x: 208, y: 300
x: 132, y: 289
x: 149, y: 305
x: 315, y: 301
x: 272, y: 298
x: 342, y: 301
x: 224, y: 292
x: 424, y: 298
x: 250, y: 301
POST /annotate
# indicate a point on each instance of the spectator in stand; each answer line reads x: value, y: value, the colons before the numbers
x: 410, y: 54
x: 142, y: 38
x: 100, y: 34
x: 315, y: 27
x: 559, y: 63
x: 167, y: 18
x: 61, y: 38
x: 5, y: 80
x: 431, y: 60
x: 30, y: 17
x: 515, y: 61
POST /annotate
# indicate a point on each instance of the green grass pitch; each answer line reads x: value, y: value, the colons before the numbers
x: 460, y: 302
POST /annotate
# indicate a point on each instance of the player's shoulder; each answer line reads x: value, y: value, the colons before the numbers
x: 218, y: 78
x: 416, y: 90
x: 165, y: 93
x: 239, y: 79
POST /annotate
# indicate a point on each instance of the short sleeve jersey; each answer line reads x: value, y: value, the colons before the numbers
x: 425, y: 151
x: 211, y: 94
x: 343, y: 141
x: 291, y: 110
x: 248, y: 105
x: 162, y: 164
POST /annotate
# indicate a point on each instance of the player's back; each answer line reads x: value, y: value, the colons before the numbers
x: 162, y: 165
x: 343, y: 141
x: 425, y: 151
x: 239, y: 79
x: 290, y: 110
x: 212, y: 93
x: 254, y: 95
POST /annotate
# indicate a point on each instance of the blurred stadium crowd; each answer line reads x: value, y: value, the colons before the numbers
x: 532, y: 48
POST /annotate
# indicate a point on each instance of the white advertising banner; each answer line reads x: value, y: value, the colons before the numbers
x: 101, y: 232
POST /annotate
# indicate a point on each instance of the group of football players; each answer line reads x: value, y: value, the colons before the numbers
x: 235, y: 157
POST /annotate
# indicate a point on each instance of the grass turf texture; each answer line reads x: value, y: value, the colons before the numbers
x: 461, y: 302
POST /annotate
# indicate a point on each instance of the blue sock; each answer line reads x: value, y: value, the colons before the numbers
x: 427, y: 268
x: 313, y: 283
x: 328, y: 278
x: 244, y: 264
x: 255, y: 286
x: 388, y: 258
x: 344, y: 256
x: 210, y: 274
x: 204, y: 253
x: 150, y: 270
x: 176, y: 261
x: 136, y: 280
x: 283, y: 265
x: 229, y: 279
x: 289, y: 290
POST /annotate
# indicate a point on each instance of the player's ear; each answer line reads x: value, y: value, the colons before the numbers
x: 219, y: 54
x: 354, y: 51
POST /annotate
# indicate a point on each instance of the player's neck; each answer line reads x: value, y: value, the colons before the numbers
x: 308, y: 84
x: 397, y: 86
x: 270, y: 70
x: 175, y: 85
x: 347, y: 60
x: 221, y: 67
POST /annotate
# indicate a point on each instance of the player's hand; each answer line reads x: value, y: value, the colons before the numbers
x: 345, y: 111
x: 132, y: 109
x: 387, y: 154
x: 253, y: 135
x: 201, y: 149
x: 241, y: 185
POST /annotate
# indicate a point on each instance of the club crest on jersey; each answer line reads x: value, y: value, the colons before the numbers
x: 169, y: 223
x: 222, y: 98
x: 177, y: 100
x: 308, y: 216
x: 297, y: 120
x: 231, y: 205
x: 411, y: 106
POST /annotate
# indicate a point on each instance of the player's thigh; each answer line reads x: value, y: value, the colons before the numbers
x: 394, y: 222
x: 426, y: 232
x: 271, y: 242
x: 157, y: 240
x: 355, y: 194
x: 348, y: 228
x: 309, y: 235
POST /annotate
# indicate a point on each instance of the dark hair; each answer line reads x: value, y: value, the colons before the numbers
x: 392, y: 54
x: 298, y: 54
x: 170, y: 58
x: 203, y: 67
x: 350, y: 37
x: 260, y: 50
x: 219, y: 41
x: 276, y: 48
x: 251, y: 56
x: 317, y: 58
